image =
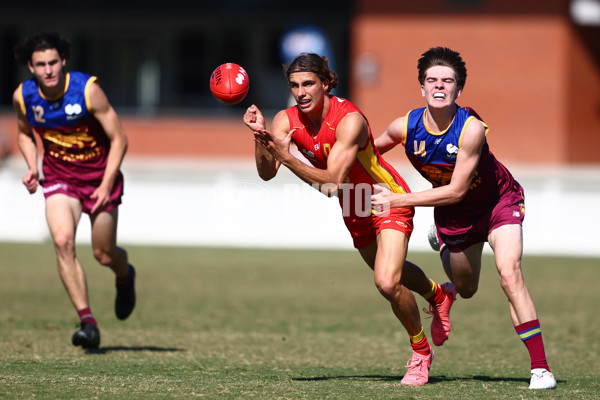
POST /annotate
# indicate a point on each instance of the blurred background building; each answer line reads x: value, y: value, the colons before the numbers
x: 534, y: 66
x: 533, y: 69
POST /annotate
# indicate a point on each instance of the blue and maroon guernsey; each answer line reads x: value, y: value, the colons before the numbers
x: 369, y: 167
x: 434, y: 156
x: 75, y: 144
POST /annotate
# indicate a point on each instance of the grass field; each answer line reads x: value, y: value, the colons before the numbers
x: 235, y: 323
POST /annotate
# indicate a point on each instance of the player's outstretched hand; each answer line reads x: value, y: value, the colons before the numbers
x: 254, y: 119
x: 278, y: 147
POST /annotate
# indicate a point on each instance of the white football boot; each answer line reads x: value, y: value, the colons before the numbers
x: 541, y: 378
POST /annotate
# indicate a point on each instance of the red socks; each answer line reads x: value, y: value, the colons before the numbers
x: 531, y: 335
x: 435, y: 295
x: 85, y: 314
x: 420, y: 344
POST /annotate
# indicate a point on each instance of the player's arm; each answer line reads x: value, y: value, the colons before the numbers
x: 393, y: 135
x: 351, y: 134
x: 266, y: 165
x: 101, y: 109
x: 27, y: 145
x: 464, y: 170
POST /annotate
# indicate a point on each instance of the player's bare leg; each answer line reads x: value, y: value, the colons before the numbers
x: 465, y: 269
x: 507, y: 243
x: 63, y: 214
x: 387, y: 258
x: 104, y: 243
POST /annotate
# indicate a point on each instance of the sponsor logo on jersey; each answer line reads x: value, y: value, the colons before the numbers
x: 308, y: 153
x: 452, y: 150
x: 73, y: 111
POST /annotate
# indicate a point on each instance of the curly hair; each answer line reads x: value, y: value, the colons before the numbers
x: 40, y: 42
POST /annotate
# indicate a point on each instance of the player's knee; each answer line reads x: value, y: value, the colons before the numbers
x: 510, y: 278
x: 103, y: 257
x: 64, y: 244
x: 466, y: 291
x: 387, y: 287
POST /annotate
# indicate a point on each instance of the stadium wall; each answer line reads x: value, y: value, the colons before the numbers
x: 221, y: 202
x: 533, y: 76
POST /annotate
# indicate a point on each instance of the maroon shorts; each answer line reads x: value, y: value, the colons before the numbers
x: 364, y: 230
x: 82, y: 191
x: 510, y: 210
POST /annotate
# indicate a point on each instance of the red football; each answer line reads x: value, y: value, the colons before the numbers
x: 229, y: 83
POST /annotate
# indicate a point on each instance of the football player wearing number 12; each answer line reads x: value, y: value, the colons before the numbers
x: 336, y: 139
x: 476, y: 198
x: 84, y: 145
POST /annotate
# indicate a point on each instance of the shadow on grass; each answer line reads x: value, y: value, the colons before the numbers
x: 373, y: 377
x: 104, y: 350
x: 432, y: 379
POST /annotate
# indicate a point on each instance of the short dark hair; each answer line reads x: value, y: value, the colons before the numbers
x: 445, y: 57
x: 312, y: 62
x: 40, y: 42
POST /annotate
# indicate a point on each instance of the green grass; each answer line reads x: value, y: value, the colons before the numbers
x: 235, y: 323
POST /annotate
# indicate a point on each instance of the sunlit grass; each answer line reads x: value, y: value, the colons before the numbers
x: 242, y: 323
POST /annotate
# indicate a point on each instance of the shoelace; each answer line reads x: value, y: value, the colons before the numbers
x: 430, y: 311
x: 415, y: 362
x: 541, y: 374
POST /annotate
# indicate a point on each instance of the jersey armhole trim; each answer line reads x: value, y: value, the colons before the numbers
x: 467, y: 122
x: 21, y: 100
x: 86, y: 92
x: 405, y: 129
